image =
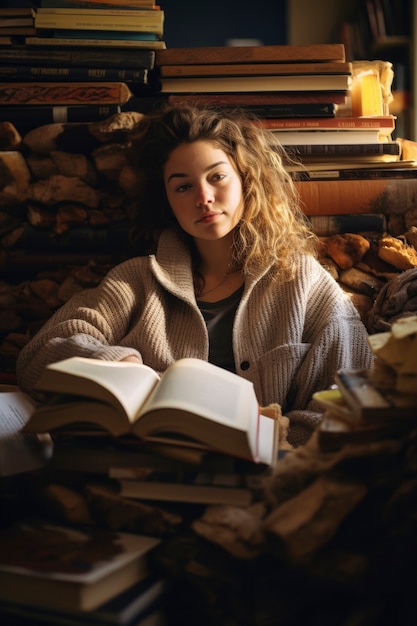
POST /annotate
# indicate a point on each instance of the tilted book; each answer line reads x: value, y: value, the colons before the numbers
x: 192, y: 400
x: 369, y: 402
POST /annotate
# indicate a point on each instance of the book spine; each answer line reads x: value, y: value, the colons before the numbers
x: 252, y: 69
x: 52, y: 21
x: 135, y: 4
x: 112, y: 35
x: 264, y: 99
x: 27, y: 117
x: 342, y: 197
x: 252, y: 54
x: 367, y: 149
x: 99, y: 57
x: 133, y: 12
x: 64, y: 93
x: 271, y: 113
x: 366, y: 173
x: 326, y: 82
x: 383, y: 124
x: 69, y: 73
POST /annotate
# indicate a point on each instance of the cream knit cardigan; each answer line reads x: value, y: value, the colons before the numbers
x: 288, y: 339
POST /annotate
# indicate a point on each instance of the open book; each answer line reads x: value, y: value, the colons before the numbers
x: 192, y: 400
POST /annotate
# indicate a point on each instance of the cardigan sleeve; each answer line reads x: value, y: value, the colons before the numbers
x: 91, y: 324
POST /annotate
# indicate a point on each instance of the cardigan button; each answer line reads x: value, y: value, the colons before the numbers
x: 244, y: 365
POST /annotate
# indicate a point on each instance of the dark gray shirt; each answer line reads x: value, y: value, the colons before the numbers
x: 219, y: 318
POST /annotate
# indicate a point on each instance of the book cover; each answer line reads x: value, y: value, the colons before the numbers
x: 23, y: 73
x: 302, y: 82
x: 97, y: 3
x: 251, y: 54
x: 293, y: 138
x: 85, y: 35
x: 352, y: 172
x: 69, y: 568
x: 137, y: 606
x: 193, y: 400
x: 140, y: 22
x: 133, y: 13
x: 391, y: 148
x: 56, y: 56
x: 184, y: 487
x: 129, y: 41
x: 265, y: 99
x: 369, y: 402
x: 385, y: 195
x: 383, y: 124
x: 252, y: 69
x: 64, y: 93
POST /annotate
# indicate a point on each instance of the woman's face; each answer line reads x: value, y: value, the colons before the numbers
x: 203, y: 189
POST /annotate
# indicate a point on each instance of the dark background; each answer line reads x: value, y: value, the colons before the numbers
x: 191, y: 23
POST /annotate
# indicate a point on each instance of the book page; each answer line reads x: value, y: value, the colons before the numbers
x: 20, y: 453
x: 202, y: 388
x: 123, y: 385
x: 192, y: 388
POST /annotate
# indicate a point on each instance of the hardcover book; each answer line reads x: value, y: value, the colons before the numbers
x: 370, y: 402
x: 137, y: 606
x: 230, y: 84
x: 64, y: 93
x: 68, y: 568
x: 330, y: 197
x: 252, y: 69
x: 251, y: 54
x: 53, y: 54
x: 193, y: 400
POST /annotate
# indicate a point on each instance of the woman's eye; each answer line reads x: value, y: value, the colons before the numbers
x: 183, y: 187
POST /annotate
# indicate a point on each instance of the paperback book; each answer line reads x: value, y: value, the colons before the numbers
x: 193, y: 400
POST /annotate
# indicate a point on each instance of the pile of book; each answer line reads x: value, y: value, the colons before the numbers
x: 56, y: 573
x: 381, y: 402
x: 131, y: 453
x: 184, y: 437
x: 16, y: 23
x: 332, y: 116
x: 83, y: 61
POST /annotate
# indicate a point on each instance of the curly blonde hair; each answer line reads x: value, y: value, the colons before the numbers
x: 273, y: 230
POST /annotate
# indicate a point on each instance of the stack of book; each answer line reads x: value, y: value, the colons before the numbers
x: 84, y: 61
x: 381, y: 402
x: 16, y: 23
x: 54, y: 573
x: 194, y: 435
x: 270, y: 81
x: 330, y: 115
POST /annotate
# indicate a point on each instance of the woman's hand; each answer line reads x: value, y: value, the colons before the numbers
x: 131, y: 359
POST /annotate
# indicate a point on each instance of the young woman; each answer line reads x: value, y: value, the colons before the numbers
x: 233, y: 278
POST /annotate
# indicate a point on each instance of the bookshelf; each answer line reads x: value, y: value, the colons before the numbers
x: 320, y: 21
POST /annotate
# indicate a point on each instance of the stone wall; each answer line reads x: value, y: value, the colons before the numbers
x: 64, y: 194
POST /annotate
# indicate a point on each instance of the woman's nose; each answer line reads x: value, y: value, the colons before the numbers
x: 204, y: 195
